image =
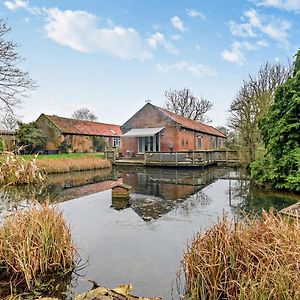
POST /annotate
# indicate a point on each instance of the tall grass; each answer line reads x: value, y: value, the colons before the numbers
x: 15, y: 170
x: 34, y: 244
x: 253, y: 259
x: 64, y: 165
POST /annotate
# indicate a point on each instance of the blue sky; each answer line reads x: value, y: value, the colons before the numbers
x: 111, y: 56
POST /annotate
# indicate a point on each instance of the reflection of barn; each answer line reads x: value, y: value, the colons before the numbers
x: 156, y: 192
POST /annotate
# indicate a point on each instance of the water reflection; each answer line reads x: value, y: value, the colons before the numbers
x: 154, y: 191
x: 142, y: 239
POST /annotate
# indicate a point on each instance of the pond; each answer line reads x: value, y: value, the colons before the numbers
x: 142, y: 240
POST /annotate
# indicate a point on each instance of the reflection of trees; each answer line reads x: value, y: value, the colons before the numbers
x: 199, y: 199
x: 52, y: 190
x: 246, y: 197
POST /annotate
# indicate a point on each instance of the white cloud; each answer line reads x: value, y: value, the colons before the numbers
x: 195, y: 13
x: 254, y: 18
x: 255, y: 24
x: 290, y: 5
x: 80, y: 31
x: 189, y: 67
x: 176, y: 37
x: 198, y: 47
x: 159, y: 39
x: 15, y: 4
x: 241, y: 30
x: 236, y: 53
x: 278, y: 31
x: 178, y: 23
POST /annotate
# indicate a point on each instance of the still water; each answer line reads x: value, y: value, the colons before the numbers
x: 142, y: 240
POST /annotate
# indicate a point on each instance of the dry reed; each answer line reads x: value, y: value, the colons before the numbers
x: 253, y: 259
x: 34, y: 244
x: 15, y: 170
x: 64, y: 165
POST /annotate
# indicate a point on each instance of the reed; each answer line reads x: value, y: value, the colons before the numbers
x: 15, y: 170
x: 250, y: 259
x: 64, y: 165
x: 35, y: 244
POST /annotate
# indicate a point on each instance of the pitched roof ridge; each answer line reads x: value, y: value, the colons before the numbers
x: 81, y: 120
x: 170, y: 114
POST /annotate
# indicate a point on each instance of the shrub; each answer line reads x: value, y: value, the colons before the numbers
x: 99, y: 143
x: 280, y: 130
x: 15, y: 170
x: 34, y: 244
x: 2, y: 145
x: 254, y: 259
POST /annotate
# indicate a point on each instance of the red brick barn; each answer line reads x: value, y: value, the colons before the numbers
x: 77, y: 135
x: 154, y: 128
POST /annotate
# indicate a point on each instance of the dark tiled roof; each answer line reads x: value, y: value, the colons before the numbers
x: 73, y: 126
x: 190, y: 124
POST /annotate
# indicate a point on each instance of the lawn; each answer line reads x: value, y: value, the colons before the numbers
x: 64, y: 155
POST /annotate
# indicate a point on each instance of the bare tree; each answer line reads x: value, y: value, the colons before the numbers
x: 14, y: 82
x: 8, y: 120
x: 84, y: 114
x: 184, y: 103
x: 253, y: 101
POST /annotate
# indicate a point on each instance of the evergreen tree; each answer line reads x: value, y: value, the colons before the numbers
x: 281, y: 135
x: 30, y: 137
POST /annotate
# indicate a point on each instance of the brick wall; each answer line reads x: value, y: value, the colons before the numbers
x: 52, y: 134
x: 172, y: 138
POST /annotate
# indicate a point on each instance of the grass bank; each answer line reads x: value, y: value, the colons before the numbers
x: 63, y: 155
x: 70, y: 164
x: 250, y: 259
x: 35, y: 244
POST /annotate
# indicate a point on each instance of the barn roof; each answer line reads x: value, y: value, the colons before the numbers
x: 73, y: 126
x: 190, y: 124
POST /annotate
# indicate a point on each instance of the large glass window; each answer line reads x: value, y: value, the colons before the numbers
x: 149, y: 143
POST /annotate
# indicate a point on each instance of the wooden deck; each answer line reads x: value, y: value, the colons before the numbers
x: 201, y: 158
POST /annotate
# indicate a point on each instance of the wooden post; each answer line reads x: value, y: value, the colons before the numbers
x: 176, y: 158
x: 193, y: 158
x: 145, y: 158
x: 160, y: 158
x: 226, y: 157
x: 114, y: 156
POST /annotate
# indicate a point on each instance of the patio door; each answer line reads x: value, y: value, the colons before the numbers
x: 148, y: 143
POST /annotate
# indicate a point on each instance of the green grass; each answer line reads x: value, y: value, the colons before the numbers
x: 64, y: 155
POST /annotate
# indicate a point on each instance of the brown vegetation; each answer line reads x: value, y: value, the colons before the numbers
x: 15, y: 170
x: 254, y: 259
x: 34, y: 244
x: 64, y: 165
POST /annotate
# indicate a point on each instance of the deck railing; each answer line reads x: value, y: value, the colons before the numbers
x: 180, y: 158
x: 193, y: 158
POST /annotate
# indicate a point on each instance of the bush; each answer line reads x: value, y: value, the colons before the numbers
x: 99, y: 143
x: 253, y: 259
x: 2, y: 146
x: 15, y: 170
x: 280, y: 130
x: 34, y: 244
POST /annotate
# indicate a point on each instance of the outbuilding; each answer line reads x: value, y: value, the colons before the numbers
x: 74, y: 135
x: 156, y: 129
